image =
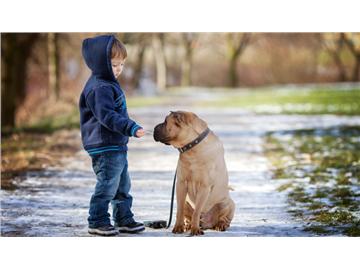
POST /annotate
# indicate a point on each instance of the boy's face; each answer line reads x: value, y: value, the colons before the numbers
x: 117, y: 65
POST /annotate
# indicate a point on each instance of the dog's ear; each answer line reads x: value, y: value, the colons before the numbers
x: 179, y: 117
x: 198, y: 124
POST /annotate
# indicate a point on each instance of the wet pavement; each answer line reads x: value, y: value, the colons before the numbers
x: 55, y: 202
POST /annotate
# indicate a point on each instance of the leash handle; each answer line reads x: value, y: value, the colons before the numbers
x: 172, y: 201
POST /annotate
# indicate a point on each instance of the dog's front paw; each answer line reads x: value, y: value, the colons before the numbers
x: 187, y: 226
x: 178, y: 228
x: 196, y: 231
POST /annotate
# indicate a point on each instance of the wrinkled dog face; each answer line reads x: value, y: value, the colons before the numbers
x: 172, y: 128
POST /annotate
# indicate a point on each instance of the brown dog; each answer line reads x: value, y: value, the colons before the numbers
x: 202, y: 191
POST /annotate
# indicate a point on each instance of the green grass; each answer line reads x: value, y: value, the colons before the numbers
x: 49, y: 124
x: 296, y: 101
x: 322, y: 168
x: 313, y: 101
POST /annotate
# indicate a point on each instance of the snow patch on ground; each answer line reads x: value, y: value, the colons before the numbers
x: 55, y: 202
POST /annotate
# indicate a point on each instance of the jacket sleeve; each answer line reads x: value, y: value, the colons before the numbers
x: 101, y: 103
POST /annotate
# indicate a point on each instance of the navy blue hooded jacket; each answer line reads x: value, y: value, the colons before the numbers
x: 104, y: 121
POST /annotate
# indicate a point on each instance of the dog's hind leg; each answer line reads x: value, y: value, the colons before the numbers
x: 207, y: 220
x: 210, y: 218
x: 225, y: 215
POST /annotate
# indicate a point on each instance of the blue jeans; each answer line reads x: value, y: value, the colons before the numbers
x: 113, y: 185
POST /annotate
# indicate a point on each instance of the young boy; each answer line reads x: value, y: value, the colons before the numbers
x: 105, y: 131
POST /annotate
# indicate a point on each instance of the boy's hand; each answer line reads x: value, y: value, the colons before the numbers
x: 140, y: 132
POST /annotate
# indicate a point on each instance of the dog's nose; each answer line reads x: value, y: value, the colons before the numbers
x: 156, y: 133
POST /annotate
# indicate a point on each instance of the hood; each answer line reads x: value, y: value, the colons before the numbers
x: 97, y: 54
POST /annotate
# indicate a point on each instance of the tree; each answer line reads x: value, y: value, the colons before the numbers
x: 53, y: 64
x: 15, y: 52
x: 352, y: 40
x: 140, y: 41
x: 236, y: 44
x: 334, y: 45
x: 158, y: 40
x: 189, y: 41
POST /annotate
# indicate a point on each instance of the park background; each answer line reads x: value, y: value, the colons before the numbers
x: 270, y: 16
x: 286, y: 106
x: 43, y: 73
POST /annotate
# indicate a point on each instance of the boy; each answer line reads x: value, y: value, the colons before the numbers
x: 105, y: 131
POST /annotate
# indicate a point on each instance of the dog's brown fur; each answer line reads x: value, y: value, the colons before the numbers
x: 202, y: 192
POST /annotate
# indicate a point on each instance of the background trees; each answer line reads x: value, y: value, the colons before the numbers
x: 352, y: 40
x: 189, y: 43
x: 44, y: 73
x: 15, y: 52
x: 236, y: 44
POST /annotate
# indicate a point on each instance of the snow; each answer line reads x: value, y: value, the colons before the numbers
x: 55, y: 202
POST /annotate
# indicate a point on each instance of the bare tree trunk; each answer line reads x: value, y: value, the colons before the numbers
x: 15, y: 51
x: 189, y: 40
x: 233, y: 75
x: 139, y: 65
x: 236, y: 45
x: 160, y: 60
x: 334, y: 45
x: 356, y: 72
x: 356, y: 53
x: 54, y: 65
x: 340, y: 66
x: 186, y: 69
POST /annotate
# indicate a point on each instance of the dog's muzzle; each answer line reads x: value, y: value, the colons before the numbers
x: 158, y: 136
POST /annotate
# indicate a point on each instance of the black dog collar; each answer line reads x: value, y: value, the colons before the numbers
x: 194, y: 142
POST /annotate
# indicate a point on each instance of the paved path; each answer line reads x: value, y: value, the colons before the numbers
x: 55, y: 202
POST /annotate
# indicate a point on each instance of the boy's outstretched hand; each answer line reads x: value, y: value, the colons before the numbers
x: 140, y: 132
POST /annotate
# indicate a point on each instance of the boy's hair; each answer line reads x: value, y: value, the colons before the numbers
x: 118, y: 49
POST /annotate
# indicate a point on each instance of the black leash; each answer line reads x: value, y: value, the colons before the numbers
x: 160, y: 224
x: 172, y: 201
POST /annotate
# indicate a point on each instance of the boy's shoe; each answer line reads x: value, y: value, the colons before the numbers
x: 133, y: 227
x: 108, y: 230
